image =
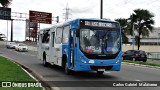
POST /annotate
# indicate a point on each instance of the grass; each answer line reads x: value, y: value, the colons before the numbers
x: 143, y: 63
x: 11, y: 72
x: 155, y: 59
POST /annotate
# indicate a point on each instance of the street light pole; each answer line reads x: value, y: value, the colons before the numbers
x: 101, y: 9
x: 11, y: 30
x: 133, y: 37
x: 7, y: 30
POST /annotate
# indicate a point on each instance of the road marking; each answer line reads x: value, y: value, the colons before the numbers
x: 137, y: 80
x: 24, y: 53
x: 107, y: 72
x: 55, y: 88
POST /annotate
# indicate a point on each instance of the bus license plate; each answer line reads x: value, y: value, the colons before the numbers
x: 101, y: 69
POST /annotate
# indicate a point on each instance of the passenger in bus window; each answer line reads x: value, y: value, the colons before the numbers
x: 109, y: 44
x: 94, y: 40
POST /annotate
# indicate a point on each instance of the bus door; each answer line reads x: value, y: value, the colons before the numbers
x: 73, y: 48
x: 58, y: 46
x: 39, y: 44
x: 53, y: 55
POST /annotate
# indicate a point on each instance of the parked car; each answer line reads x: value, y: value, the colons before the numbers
x: 21, y: 47
x: 137, y: 55
x: 11, y: 45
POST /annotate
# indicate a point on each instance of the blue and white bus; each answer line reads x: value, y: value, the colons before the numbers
x: 82, y: 45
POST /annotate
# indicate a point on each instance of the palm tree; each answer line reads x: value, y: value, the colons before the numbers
x: 142, y: 21
x: 5, y: 3
x: 124, y: 27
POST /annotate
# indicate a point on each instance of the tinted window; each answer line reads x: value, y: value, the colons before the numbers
x: 130, y: 52
x: 141, y: 52
x: 46, y: 36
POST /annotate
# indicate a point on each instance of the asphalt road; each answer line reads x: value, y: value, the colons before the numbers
x: 54, y: 73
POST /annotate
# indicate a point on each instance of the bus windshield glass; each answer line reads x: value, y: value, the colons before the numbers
x: 100, y: 41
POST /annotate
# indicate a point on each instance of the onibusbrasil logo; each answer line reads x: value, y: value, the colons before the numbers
x: 21, y: 84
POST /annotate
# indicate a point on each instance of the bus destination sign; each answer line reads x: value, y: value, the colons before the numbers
x: 103, y: 24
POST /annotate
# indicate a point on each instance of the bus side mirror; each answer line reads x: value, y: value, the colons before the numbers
x: 77, y: 33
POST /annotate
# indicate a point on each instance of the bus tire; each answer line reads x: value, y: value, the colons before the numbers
x: 64, y: 59
x: 46, y: 64
x: 67, y: 71
x: 100, y: 72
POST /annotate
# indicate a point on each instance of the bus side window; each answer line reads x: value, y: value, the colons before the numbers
x: 45, y: 38
x: 53, y: 35
x: 65, y: 34
x: 40, y: 36
x: 58, y: 35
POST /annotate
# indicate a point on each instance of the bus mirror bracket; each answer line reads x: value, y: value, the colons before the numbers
x: 77, y: 33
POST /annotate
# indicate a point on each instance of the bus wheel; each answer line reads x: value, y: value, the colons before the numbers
x: 100, y: 72
x: 67, y: 71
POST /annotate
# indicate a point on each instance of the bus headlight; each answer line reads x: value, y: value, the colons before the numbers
x: 82, y: 60
x: 117, y: 61
x: 91, y: 61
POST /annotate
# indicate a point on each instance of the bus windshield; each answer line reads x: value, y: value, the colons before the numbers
x: 100, y: 41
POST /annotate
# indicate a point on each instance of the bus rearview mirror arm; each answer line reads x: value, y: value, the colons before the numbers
x: 77, y: 33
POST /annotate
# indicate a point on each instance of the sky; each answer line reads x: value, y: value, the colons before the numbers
x: 112, y: 9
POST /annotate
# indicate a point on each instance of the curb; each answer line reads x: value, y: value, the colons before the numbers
x: 133, y: 64
x: 33, y: 73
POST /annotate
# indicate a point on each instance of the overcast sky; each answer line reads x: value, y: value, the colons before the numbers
x: 112, y: 9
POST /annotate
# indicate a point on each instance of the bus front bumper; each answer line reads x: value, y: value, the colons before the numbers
x: 93, y: 67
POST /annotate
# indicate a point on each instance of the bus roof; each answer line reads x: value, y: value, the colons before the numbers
x: 96, y: 19
x: 76, y: 20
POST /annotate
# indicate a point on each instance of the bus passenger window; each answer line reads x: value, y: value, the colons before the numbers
x: 53, y: 39
x: 40, y: 37
x: 58, y: 35
x: 65, y: 34
x: 45, y: 38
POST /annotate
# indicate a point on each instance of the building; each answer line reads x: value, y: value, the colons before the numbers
x: 152, y: 39
x: 150, y: 44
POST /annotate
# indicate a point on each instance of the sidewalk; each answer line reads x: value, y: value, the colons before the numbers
x: 153, y: 61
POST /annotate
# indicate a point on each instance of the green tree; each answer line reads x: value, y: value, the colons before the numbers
x: 143, y: 23
x: 124, y: 27
x: 5, y: 3
x: 1, y: 37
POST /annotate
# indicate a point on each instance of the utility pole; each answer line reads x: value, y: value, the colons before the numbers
x: 101, y: 9
x: 133, y: 37
x: 7, y: 30
x: 11, y: 30
x: 67, y: 13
